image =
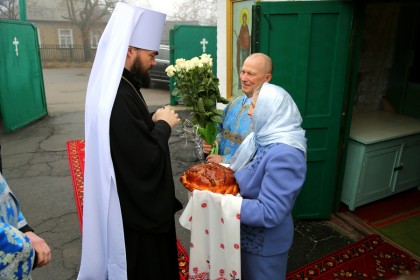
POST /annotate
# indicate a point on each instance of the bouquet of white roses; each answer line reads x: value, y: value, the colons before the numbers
x: 198, y: 88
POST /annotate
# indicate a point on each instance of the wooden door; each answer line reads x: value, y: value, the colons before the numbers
x: 309, y: 45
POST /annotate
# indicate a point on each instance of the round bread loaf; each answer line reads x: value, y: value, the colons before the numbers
x: 210, y: 176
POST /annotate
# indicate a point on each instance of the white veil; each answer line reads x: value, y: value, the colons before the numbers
x: 276, y: 119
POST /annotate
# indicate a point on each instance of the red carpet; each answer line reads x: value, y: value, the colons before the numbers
x: 396, y: 217
x: 391, y: 209
x: 76, y: 154
x: 369, y: 258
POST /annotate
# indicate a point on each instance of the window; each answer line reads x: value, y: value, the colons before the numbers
x: 65, y: 37
x: 94, y: 38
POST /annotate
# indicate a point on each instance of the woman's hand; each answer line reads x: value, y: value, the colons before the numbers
x: 214, y: 158
x: 41, y: 248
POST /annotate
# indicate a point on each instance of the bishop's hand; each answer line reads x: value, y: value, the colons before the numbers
x: 167, y: 115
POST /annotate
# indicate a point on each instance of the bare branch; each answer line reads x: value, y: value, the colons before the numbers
x: 203, y: 11
x: 9, y: 9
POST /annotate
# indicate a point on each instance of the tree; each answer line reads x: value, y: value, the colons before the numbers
x: 203, y: 11
x: 85, y: 14
x: 142, y: 3
x: 9, y: 9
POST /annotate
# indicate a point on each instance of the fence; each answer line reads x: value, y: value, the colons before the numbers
x: 74, y: 53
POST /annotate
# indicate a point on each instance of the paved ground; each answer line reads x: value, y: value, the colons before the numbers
x: 35, y: 165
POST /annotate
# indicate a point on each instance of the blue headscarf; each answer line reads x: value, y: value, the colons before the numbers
x: 276, y: 119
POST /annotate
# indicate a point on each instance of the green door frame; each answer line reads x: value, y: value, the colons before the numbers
x: 355, y: 45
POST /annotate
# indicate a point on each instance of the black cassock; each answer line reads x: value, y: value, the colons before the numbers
x: 142, y: 164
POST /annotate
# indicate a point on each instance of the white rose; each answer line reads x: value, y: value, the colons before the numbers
x: 170, y: 70
x: 195, y: 61
x: 206, y: 58
x: 189, y: 64
x: 180, y: 64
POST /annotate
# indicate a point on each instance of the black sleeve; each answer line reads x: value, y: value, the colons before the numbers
x: 141, y: 159
x: 26, y: 229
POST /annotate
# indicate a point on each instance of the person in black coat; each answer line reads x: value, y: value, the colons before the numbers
x: 129, y: 197
x: 142, y: 164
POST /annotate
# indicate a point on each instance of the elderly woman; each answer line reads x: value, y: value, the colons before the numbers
x: 270, y: 168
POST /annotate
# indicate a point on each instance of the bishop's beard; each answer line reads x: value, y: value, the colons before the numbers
x: 141, y: 74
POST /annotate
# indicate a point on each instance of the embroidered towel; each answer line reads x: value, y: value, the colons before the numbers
x: 214, y: 222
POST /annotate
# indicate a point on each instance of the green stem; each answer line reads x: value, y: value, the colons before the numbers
x: 215, y: 149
